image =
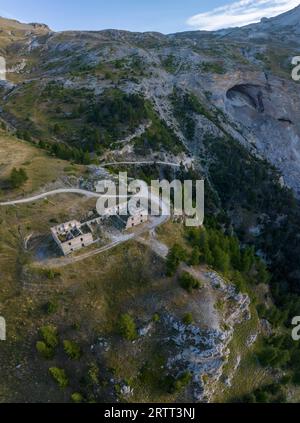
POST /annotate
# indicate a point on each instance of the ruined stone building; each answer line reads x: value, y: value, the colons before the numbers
x: 137, y: 219
x: 124, y: 223
x: 72, y: 236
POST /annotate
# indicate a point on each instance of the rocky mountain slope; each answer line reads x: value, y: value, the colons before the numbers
x: 242, y: 83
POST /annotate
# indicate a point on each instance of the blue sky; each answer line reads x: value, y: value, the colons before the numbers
x: 165, y: 16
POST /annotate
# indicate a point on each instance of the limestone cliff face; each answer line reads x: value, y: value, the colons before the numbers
x: 266, y: 110
x: 241, y: 75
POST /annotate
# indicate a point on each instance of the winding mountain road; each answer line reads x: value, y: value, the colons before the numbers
x: 141, y: 163
x: 49, y: 194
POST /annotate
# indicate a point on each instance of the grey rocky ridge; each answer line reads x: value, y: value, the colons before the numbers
x: 224, y: 107
x: 242, y: 75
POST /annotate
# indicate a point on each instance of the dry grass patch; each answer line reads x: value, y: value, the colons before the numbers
x: 41, y: 168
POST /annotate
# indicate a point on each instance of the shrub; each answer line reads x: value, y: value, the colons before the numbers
x: 221, y: 260
x: 60, y: 377
x: 263, y: 275
x: 275, y: 316
x: 49, y: 335
x: 50, y: 307
x: 274, y: 357
x: 176, y: 255
x: 57, y: 129
x: 219, y: 305
x: 239, y: 281
x: 261, y: 396
x: 249, y: 399
x: 285, y: 380
x: 265, y: 394
x: 195, y: 257
x: 296, y: 378
x: 267, y: 356
x: 45, y: 351
x: 77, y: 398
x: 188, y: 282
x: 128, y: 327
x: 188, y: 319
x: 181, y: 382
x: 72, y: 350
x: 212, y: 67
x: 156, y: 318
x: 50, y: 274
x: 18, y: 177
x: 93, y: 374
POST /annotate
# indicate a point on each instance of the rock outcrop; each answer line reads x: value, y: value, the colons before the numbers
x: 204, y: 352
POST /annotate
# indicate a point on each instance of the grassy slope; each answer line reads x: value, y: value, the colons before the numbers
x: 40, y: 167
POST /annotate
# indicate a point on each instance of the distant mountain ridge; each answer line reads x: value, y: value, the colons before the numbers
x: 284, y: 28
x: 12, y: 24
x: 290, y: 18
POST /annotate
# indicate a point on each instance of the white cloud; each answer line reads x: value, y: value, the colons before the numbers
x: 240, y: 13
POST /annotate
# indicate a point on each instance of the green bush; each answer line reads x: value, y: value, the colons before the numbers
x: 195, y: 257
x: 265, y: 394
x: 50, y: 307
x: 188, y: 319
x: 49, y: 335
x: 60, y: 377
x: 212, y: 67
x: 72, y: 350
x: 156, y: 318
x: 221, y: 260
x: 296, y: 378
x: 181, y: 382
x: 188, y: 282
x: 77, y: 398
x: 176, y: 255
x: 275, y: 316
x: 45, y: 351
x: 23, y: 135
x: 50, y: 274
x: 18, y: 177
x: 127, y: 327
x: 273, y: 357
x: 93, y: 374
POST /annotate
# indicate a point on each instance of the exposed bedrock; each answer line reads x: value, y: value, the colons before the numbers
x: 267, y: 110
